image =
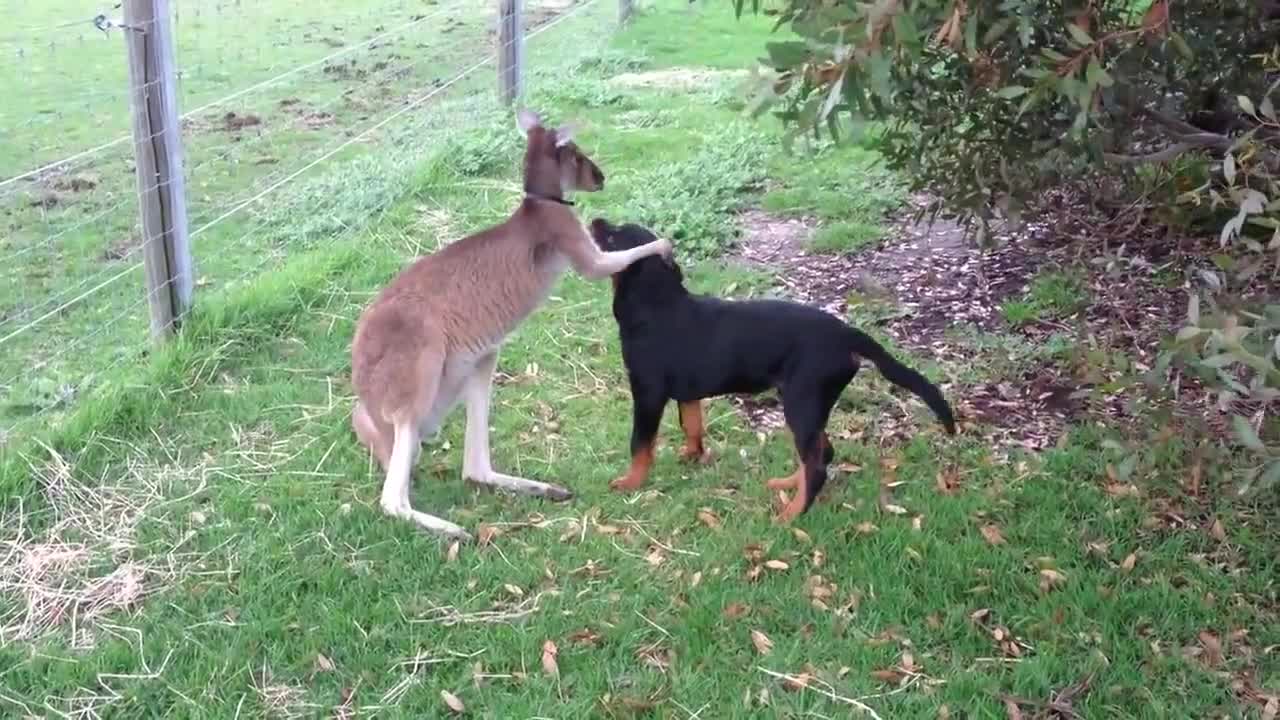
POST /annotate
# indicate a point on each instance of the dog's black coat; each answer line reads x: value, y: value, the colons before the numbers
x: 685, y: 347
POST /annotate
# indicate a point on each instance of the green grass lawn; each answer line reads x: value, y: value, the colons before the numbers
x: 71, y: 284
x: 201, y: 536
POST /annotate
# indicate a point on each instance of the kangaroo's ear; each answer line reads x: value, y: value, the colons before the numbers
x: 564, y: 134
x: 527, y: 120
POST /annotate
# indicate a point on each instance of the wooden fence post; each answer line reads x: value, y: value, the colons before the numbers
x: 157, y: 138
x: 625, y: 8
x: 510, y: 50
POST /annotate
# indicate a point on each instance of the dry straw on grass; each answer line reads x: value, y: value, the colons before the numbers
x: 83, y: 562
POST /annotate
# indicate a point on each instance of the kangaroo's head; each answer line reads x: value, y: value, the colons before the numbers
x: 553, y: 164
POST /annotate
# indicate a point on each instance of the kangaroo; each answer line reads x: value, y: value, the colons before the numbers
x: 431, y: 337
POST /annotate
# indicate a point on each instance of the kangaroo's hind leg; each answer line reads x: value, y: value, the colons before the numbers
x: 476, y: 462
x: 378, y: 436
x: 406, y: 443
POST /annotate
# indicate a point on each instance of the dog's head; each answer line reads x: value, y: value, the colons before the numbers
x: 613, y: 238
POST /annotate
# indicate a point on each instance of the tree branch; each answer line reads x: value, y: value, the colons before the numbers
x: 1192, y: 141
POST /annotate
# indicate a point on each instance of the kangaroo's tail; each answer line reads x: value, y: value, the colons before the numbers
x: 863, y: 345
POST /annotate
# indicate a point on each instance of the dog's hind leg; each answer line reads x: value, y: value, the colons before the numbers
x: 789, y: 482
x: 476, y: 463
x: 646, y: 416
x: 691, y: 424
x: 806, y: 409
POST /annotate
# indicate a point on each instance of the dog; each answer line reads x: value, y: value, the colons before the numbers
x: 685, y: 347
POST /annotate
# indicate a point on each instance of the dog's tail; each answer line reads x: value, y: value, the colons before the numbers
x: 863, y: 345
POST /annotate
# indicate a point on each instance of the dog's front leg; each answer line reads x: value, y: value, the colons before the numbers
x: 646, y: 411
x: 694, y: 429
x: 476, y: 465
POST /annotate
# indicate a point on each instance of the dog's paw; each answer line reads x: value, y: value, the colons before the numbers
x: 782, y: 483
x: 702, y: 456
x: 626, y: 483
x: 788, y: 508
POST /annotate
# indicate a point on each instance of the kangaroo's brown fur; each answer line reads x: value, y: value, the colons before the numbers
x: 431, y: 337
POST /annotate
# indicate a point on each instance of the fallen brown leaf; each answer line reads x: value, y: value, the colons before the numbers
x: 1011, y: 709
x: 776, y: 565
x: 801, y: 535
x: 452, y: 702
x: 818, y: 558
x: 1050, y: 579
x: 992, y: 534
x: 708, y: 518
x: 762, y: 642
x: 487, y: 534
x: 323, y: 663
x: 891, y: 676
x: 797, y: 682
x: 452, y: 554
x: 655, y: 656
x: 585, y: 636
x: 865, y: 528
x: 736, y: 610
x: 1129, y: 562
x: 1212, y: 648
x: 1271, y: 709
x: 549, y: 664
x: 513, y: 590
x: 1218, y: 532
x: 948, y: 482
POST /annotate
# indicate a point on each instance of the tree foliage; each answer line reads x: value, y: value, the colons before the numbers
x: 988, y: 102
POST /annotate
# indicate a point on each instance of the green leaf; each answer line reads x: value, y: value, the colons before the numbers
x: 1246, y: 434
x: 787, y: 54
x: 1126, y: 467
x: 1187, y: 333
x: 1247, y: 105
x: 1270, y: 477
x: 1220, y: 360
x: 1078, y: 34
x: 1180, y: 44
x: 993, y: 33
x: 1267, y: 109
x: 1095, y: 74
x: 1010, y: 92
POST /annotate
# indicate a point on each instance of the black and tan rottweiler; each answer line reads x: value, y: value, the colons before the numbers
x: 685, y: 347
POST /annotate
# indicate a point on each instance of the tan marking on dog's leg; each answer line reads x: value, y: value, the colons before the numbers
x: 792, y: 508
x: 694, y: 431
x: 787, y: 482
x: 636, y: 475
x: 476, y: 461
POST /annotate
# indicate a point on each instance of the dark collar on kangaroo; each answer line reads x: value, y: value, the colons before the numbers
x: 552, y: 198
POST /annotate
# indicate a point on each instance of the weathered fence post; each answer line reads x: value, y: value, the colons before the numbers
x: 625, y: 8
x: 157, y: 138
x: 510, y: 50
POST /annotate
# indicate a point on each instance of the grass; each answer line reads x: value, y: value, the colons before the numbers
x: 260, y: 578
x: 1051, y: 295
x: 71, y: 278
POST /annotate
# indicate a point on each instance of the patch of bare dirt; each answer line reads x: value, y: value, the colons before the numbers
x: 234, y: 122
x: 935, y: 282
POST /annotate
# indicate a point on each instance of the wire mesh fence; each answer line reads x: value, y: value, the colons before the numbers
x: 301, y: 123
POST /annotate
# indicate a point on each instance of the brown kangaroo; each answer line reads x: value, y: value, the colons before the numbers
x: 432, y: 336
